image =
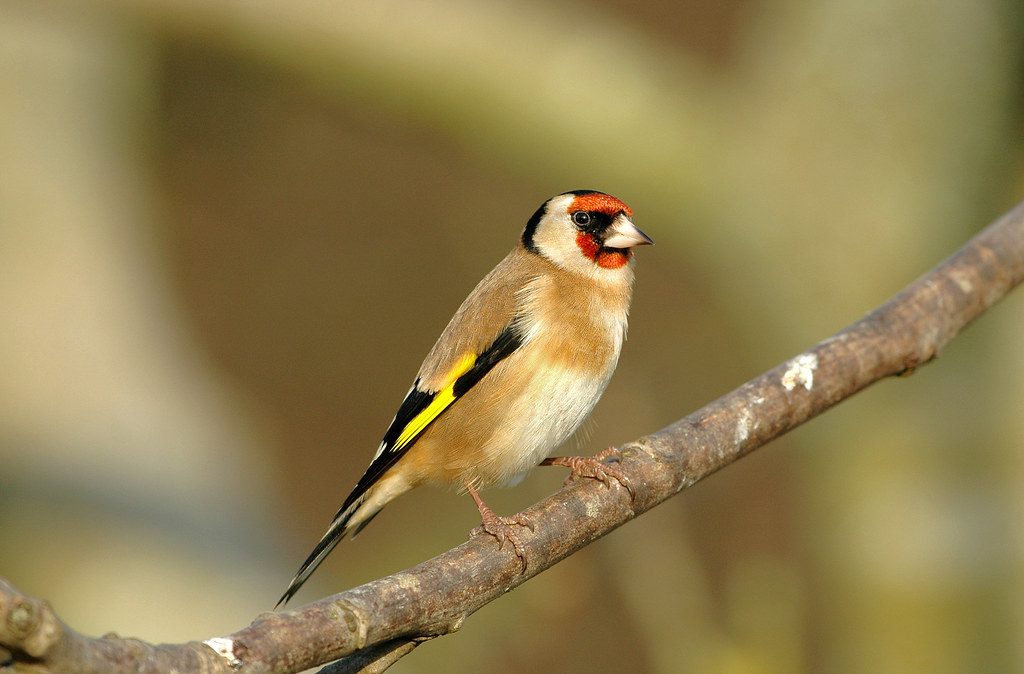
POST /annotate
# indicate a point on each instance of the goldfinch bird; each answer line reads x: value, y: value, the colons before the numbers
x: 519, y: 367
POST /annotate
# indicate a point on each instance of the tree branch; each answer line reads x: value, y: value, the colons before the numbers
x: 373, y: 625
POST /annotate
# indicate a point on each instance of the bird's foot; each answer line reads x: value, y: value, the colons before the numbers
x: 502, y: 528
x: 593, y: 467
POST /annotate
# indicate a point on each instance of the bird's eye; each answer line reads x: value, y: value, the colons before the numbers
x: 581, y: 218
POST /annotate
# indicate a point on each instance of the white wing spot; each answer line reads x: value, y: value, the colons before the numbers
x: 225, y: 648
x: 800, y: 372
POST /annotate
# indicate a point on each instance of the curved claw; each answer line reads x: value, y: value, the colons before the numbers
x: 502, y: 528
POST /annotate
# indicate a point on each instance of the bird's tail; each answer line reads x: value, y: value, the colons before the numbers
x: 339, y: 527
x: 361, y: 506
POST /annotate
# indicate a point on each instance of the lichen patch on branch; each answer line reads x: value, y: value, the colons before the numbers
x: 800, y: 372
x: 225, y: 648
x: 743, y: 427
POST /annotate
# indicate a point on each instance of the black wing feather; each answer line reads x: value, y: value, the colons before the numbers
x: 415, y: 402
x: 418, y: 400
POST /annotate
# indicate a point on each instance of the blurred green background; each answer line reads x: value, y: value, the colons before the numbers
x: 230, y: 231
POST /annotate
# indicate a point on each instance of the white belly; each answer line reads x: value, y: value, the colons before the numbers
x: 561, y: 398
x: 570, y: 361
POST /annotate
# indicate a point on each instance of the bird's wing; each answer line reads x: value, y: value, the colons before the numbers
x: 485, y: 330
x: 419, y: 409
x: 423, y: 406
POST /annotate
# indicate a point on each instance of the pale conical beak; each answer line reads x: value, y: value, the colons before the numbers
x: 624, y: 234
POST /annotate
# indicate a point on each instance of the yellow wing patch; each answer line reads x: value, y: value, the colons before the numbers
x: 442, y: 399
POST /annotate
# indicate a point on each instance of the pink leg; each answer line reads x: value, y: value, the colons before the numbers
x: 502, y: 528
x: 593, y: 467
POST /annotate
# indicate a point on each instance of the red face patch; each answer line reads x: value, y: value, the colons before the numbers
x: 613, y: 259
x: 609, y: 258
x: 588, y: 245
x: 602, y: 203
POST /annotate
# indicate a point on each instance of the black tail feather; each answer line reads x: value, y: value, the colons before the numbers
x: 333, y: 536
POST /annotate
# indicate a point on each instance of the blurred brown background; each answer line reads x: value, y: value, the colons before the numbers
x: 229, y: 232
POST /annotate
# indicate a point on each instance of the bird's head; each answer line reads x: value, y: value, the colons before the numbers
x: 584, y: 231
